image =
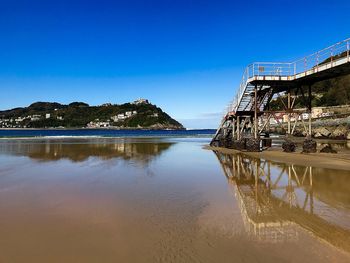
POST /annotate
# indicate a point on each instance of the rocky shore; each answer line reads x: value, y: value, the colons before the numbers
x: 338, y: 129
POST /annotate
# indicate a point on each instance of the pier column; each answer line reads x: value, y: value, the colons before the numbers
x: 310, y: 110
x: 255, y: 112
x: 288, y: 110
x: 238, y: 128
x: 233, y: 128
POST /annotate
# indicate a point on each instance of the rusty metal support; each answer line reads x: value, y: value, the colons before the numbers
x: 309, y: 110
x: 266, y: 123
x: 233, y: 129
x: 255, y: 112
x: 238, y: 128
x: 244, y: 123
x: 288, y: 112
x: 296, y: 117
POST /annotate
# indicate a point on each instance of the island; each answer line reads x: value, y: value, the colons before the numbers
x: 140, y: 114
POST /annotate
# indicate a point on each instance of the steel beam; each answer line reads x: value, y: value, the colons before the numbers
x: 255, y: 112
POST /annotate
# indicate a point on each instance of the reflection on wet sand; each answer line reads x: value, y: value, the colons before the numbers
x: 81, y: 150
x: 92, y: 200
x: 277, y: 200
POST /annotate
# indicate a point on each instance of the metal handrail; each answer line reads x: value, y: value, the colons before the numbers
x: 288, y: 69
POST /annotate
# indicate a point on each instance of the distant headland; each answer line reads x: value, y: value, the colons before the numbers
x: 140, y: 114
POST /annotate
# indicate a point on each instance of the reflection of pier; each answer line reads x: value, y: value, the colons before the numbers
x: 277, y: 199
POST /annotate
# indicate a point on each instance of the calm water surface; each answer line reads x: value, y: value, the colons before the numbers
x: 165, y: 200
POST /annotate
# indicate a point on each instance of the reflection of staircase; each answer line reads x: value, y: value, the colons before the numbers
x: 261, y: 221
x: 263, y: 190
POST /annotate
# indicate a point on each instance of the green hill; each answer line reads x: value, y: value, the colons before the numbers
x: 332, y: 92
x: 79, y: 114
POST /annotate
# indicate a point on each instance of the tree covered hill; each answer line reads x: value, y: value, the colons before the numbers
x: 331, y: 92
x: 79, y: 114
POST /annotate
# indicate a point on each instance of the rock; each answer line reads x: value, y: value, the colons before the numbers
x: 339, y: 133
x: 225, y: 142
x: 239, y: 144
x: 321, y: 132
x: 267, y: 142
x: 328, y: 149
x: 298, y: 133
x: 280, y: 130
x: 309, y: 146
x: 228, y: 142
x: 253, y: 145
x: 288, y: 146
x: 348, y: 137
x: 318, y: 135
x: 215, y: 143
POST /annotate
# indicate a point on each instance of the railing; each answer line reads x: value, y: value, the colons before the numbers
x: 325, y: 57
x: 271, y: 69
x: 241, y: 89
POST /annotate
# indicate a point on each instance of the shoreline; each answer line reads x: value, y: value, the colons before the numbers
x: 86, y: 128
x: 339, y: 161
x: 86, y: 137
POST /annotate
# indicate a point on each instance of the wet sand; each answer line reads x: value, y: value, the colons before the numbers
x: 164, y: 200
x: 324, y: 160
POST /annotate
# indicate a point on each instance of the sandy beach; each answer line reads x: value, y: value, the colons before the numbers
x: 102, y: 199
x: 323, y: 160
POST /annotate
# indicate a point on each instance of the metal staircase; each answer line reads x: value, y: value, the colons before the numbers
x: 261, y: 80
x: 269, y: 72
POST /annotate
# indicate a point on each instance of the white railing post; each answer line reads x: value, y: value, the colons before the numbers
x: 332, y: 53
x: 347, y: 49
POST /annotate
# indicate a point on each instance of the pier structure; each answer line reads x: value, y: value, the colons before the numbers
x: 248, y: 116
x: 278, y: 201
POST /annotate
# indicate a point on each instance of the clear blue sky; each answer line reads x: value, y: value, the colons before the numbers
x: 185, y: 56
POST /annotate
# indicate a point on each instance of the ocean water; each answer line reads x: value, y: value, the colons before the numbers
x: 104, y: 133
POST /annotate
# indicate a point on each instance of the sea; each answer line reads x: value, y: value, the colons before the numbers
x: 22, y: 133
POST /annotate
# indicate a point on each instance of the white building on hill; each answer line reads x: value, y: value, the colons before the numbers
x: 141, y: 101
